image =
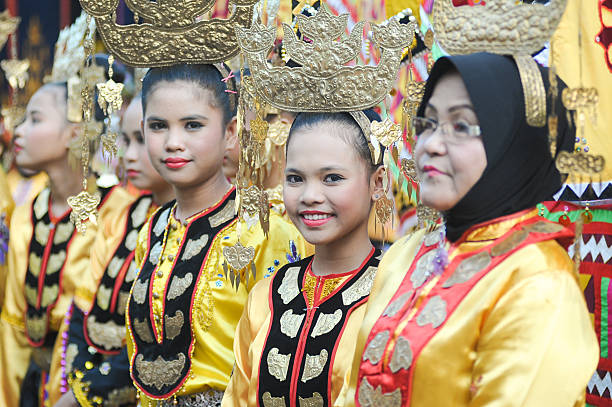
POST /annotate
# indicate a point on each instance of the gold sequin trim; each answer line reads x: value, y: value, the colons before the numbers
x: 433, y: 313
x: 289, y: 288
x: 194, y: 247
x: 160, y: 372
x: 310, y: 283
x: 270, y: 401
x: 107, y: 335
x: 402, y: 355
x: 329, y: 285
x: 326, y: 322
x: 278, y: 364
x: 361, y: 288
x: 314, y: 365
x: 315, y: 401
x: 143, y: 331
x: 174, y: 325
x: 290, y: 323
x: 139, y: 291
x: 468, y: 268
x: 224, y: 215
x: 369, y: 397
x: 179, y: 285
x: 376, y: 347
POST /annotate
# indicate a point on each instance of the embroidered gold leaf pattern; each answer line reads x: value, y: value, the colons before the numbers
x: 122, y: 300
x: 509, y: 243
x: 178, y: 285
x: 49, y: 295
x: 139, y: 291
x: 55, y: 262
x: 41, y: 204
x: 544, y: 227
x: 72, y: 350
x: 41, y: 233
x: 289, y: 288
x: 194, y: 246
x: 174, y: 325
x: 375, y: 349
x: 143, y: 331
x: 35, y: 264
x: 63, y: 231
x: 278, y: 364
x: 314, y: 365
x: 31, y: 294
x: 402, y: 355
x: 326, y: 322
x: 397, y: 305
x: 225, y: 214
x: 468, y: 268
x: 424, y: 268
x: 238, y: 256
x: 160, y: 372
x: 103, y: 297
x: 368, y: 397
x: 122, y: 396
x: 433, y: 313
x: 107, y: 335
x: 139, y: 214
x: 132, y: 272
x: 315, y: 401
x: 270, y: 401
x: 290, y: 323
x: 360, y: 288
x: 114, y: 266
x: 162, y: 221
x: 131, y: 240
x: 36, y: 327
x: 155, y: 253
x: 433, y: 237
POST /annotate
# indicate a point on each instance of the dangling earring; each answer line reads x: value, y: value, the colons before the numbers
x: 564, y: 219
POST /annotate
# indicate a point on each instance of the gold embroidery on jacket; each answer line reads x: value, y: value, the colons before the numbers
x: 143, y: 331
x: 179, y: 285
x: 194, y: 246
x: 155, y: 253
x: 402, y: 355
x: 360, y: 288
x: 36, y: 327
x: 108, y: 335
x: 72, y: 350
x: 326, y: 322
x: 368, y: 397
x: 41, y: 233
x: 397, y: 305
x: 132, y: 272
x: 424, y: 268
x: 49, y: 295
x: 432, y: 237
x: 468, y: 268
x: 270, y: 401
x: 139, y: 214
x: 433, y: 313
x: 114, y: 266
x: 122, y: 300
x: 225, y: 214
x: 131, y: 240
x: 290, y: 323
x: 509, y: 243
x: 278, y: 364
x: 289, y: 288
x: 139, y: 291
x: 160, y: 372
x: 162, y: 221
x: 55, y: 262
x: 63, y: 231
x: 174, y: 325
x: 314, y: 365
x: 41, y: 204
x: 315, y: 401
x: 375, y: 349
x: 543, y: 227
x: 31, y: 294
x: 103, y: 297
x: 35, y: 264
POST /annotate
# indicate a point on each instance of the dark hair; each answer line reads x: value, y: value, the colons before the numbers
x: 206, y: 76
x: 358, y: 140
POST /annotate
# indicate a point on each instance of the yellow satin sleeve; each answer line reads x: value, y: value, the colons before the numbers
x: 6, y: 210
x: 25, y: 189
x: 521, y: 337
x: 213, y: 356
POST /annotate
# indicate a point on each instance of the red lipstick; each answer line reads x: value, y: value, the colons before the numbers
x: 313, y: 219
x: 175, y: 162
x: 432, y: 171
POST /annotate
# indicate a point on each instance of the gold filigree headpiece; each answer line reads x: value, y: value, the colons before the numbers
x: 506, y: 28
x: 8, y: 25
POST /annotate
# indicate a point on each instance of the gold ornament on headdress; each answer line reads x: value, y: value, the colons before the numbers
x: 8, y: 25
x: 173, y: 32
x: 16, y: 72
x: 110, y: 101
x: 506, y: 28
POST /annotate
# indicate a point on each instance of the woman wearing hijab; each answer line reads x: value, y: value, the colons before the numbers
x: 488, y: 312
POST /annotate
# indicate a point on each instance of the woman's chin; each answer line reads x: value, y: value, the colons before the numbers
x: 437, y: 201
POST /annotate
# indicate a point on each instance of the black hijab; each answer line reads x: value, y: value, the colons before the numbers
x: 520, y: 171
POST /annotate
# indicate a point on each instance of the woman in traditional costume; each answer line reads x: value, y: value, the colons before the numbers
x: 49, y: 247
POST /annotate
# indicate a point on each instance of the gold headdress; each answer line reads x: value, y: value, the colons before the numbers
x: 8, y: 25
x: 15, y: 70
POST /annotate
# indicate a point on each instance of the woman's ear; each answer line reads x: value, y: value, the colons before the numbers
x: 71, y: 132
x: 377, y: 183
x: 231, y: 134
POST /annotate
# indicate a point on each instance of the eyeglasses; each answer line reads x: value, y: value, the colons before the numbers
x: 457, y: 131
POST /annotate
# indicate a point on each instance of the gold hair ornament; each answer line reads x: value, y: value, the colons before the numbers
x: 15, y: 70
x: 8, y: 25
x: 110, y: 101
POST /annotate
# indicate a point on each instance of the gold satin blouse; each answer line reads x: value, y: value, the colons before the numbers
x: 521, y: 336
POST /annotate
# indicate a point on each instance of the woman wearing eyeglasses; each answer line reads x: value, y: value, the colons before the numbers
x: 486, y: 310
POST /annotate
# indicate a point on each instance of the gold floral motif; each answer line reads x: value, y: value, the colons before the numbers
x: 468, y: 268
x: 326, y: 322
x: 35, y: 264
x: 122, y: 300
x: 402, y: 355
x: 270, y: 401
x: 544, y: 227
x: 375, y: 349
x: 509, y: 243
x: 179, y: 285
x: 132, y: 272
x: 368, y: 397
x: 143, y: 331
x: 397, y: 305
x: 226, y: 214
x: 139, y: 214
x: 160, y: 372
x: 238, y: 256
x: 426, y: 215
x: 114, y: 266
x: 384, y: 209
x: 194, y: 246
x: 174, y: 324
x: 314, y: 365
x: 409, y: 168
x: 63, y: 232
x: 103, y: 297
x: 155, y: 253
x: 84, y: 206
x: 41, y: 204
x: 533, y: 90
x: 386, y: 132
x: 424, y: 268
x: 41, y: 233
x: 139, y: 291
x: 290, y: 323
x: 107, y: 335
x: 131, y: 240
x: 72, y: 350
x: 278, y: 364
x: 289, y: 288
x: 31, y: 294
x: 315, y: 401
x: 433, y: 313
x: 330, y: 285
x: 56, y: 262
x: 36, y: 327
x: 308, y: 288
x: 580, y: 163
x: 360, y: 288
x: 434, y: 237
x: 119, y: 397
x: 49, y: 295
x: 161, y: 223
x: 109, y: 95
x: 278, y: 132
x: 8, y: 25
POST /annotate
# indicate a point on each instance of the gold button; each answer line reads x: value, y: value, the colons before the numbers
x: 173, y: 226
x: 171, y: 257
x: 178, y: 241
x: 156, y: 296
x: 160, y: 273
